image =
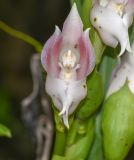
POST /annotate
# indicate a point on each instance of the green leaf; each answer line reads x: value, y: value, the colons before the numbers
x: 107, y: 65
x: 132, y: 34
x: 4, y: 131
x: 98, y: 46
x: 94, y: 97
x: 96, y: 152
x: 57, y: 157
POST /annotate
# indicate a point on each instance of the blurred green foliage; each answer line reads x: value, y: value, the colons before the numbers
x: 36, y: 18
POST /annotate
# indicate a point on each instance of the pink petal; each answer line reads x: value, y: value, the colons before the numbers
x: 130, y: 6
x: 50, y: 53
x: 131, y: 3
x: 73, y: 27
x: 87, y: 56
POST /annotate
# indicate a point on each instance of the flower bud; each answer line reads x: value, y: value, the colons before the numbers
x: 117, y: 124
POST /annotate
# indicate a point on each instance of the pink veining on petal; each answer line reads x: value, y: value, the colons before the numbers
x: 87, y: 56
x: 50, y: 53
x: 130, y: 4
x: 72, y: 28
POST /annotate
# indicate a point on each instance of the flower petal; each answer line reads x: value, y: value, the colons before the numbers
x: 50, y: 53
x: 73, y: 27
x: 102, y: 19
x: 104, y: 3
x: 66, y: 97
x: 87, y: 55
x: 122, y: 73
x: 129, y: 9
x: 118, y: 80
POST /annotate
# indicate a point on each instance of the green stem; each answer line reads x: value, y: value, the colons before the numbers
x: 60, y: 141
x: 28, y: 39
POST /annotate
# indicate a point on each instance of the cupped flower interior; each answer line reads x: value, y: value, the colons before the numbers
x: 69, y: 50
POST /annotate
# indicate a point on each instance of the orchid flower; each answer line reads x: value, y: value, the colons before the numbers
x: 112, y: 18
x: 123, y: 72
x: 68, y: 58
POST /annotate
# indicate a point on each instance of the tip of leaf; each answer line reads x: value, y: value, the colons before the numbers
x: 4, y: 131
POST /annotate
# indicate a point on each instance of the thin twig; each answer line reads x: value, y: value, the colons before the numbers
x: 26, y: 38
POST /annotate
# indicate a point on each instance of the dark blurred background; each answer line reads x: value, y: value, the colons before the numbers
x: 36, y: 18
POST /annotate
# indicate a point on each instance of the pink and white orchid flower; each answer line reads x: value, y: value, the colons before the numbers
x: 112, y: 18
x: 123, y: 72
x: 68, y: 58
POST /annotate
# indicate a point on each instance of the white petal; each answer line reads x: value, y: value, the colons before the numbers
x: 128, y: 18
x: 66, y: 96
x: 106, y: 20
x: 73, y: 27
x: 122, y: 73
x: 108, y: 39
x: 104, y: 3
x: 118, y: 80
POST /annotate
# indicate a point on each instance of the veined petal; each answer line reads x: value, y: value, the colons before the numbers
x: 50, y: 53
x: 87, y: 55
x: 73, y: 27
x: 102, y: 19
x: 65, y: 96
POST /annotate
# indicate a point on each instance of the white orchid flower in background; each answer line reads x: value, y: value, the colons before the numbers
x: 112, y: 18
x: 68, y: 58
x: 123, y: 72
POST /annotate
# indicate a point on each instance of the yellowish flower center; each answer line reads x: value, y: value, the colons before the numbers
x: 69, y: 59
x: 68, y: 65
x: 119, y: 7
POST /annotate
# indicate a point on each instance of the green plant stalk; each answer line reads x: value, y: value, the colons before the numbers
x: 83, y: 140
x: 59, y: 146
x: 72, y: 133
x: 26, y: 38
